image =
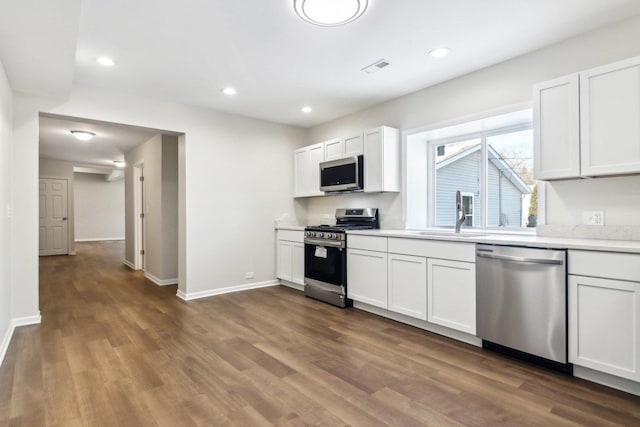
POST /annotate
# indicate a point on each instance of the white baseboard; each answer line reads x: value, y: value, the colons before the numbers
x: 431, y: 327
x: 238, y: 288
x: 161, y: 282
x: 607, y: 379
x: 292, y: 285
x: 129, y: 264
x: 101, y: 239
x: 13, y: 324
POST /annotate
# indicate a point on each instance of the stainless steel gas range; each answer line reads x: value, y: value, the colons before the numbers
x: 325, y: 254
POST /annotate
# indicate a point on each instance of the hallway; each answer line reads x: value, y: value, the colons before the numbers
x: 115, y: 349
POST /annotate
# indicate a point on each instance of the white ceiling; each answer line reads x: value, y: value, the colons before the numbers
x: 109, y: 144
x: 186, y: 51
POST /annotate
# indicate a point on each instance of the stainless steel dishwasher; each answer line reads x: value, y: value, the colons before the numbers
x: 521, y: 296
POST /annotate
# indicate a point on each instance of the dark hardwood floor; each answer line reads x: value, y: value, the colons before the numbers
x: 115, y: 349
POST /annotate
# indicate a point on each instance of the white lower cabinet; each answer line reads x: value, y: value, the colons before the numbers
x: 367, y: 277
x: 451, y: 294
x: 407, y: 285
x: 290, y: 256
x: 604, y: 325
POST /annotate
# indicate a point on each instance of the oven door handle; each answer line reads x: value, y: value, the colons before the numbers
x: 319, y: 242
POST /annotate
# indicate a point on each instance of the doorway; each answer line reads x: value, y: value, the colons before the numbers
x: 139, y: 209
x: 53, y: 223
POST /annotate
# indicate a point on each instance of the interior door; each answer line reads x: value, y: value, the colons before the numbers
x: 54, y: 224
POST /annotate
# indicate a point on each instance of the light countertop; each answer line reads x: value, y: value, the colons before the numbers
x: 292, y: 227
x: 530, y: 240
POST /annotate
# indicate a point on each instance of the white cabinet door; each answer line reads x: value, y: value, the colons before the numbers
x: 604, y: 325
x: 610, y: 119
x: 307, y: 170
x: 285, y: 259
x: 301, y: 183
x: 557, y: 128
x: 451, y: 294
x: 382, y: 159
x: 353, y: 145
x: 367, y: 277
x: 334, y: 149
x: 316, y: 156
x: 407, y: 282
x: 297, y: 261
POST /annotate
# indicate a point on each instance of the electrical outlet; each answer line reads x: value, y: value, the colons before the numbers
x: 593, y: 217
x: 249, y: 275
x: 9, y: 211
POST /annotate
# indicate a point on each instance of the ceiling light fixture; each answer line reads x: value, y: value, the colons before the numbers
x: 330, y: 13
x: 306, y: 109
x: 83, y: 135
x: 106, y: 61
x: 120, y: 163
x: 439, y: 52
x: 229, y: 91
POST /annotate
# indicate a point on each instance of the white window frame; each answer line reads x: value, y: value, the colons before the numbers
x: 473, y: 204
x: 482, y: 136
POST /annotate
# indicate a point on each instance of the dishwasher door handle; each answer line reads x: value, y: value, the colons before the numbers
x: 521, y: 259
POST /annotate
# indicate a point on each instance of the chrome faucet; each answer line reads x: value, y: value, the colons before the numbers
x: 460, y: 216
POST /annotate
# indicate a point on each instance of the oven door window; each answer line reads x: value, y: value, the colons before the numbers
x: 325, y: 264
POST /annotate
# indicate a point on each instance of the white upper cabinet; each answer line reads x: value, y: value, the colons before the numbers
x: 307, y: 170
x: 381, y: 149
x: 557, y: 123
x: 588, y: 124
x: 343, y: 147
x: 382, y: 159
x: 610, y: 119
x: 353, y: 145
x: 333, y: 149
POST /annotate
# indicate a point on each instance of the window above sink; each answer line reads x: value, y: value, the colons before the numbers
x: 490, y: 161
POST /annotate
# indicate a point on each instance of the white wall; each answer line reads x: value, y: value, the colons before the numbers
x: 238, y: 179
x: 501, y: 85
x: 160, y: 158
x: 5, y: 204
x: 169, y: 207
x: 50, y: 168
x: 99, y: 207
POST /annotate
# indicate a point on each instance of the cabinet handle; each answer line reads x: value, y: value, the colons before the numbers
x: 521, y: 259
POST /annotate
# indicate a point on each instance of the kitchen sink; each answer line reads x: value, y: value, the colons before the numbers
x: 446, y: 233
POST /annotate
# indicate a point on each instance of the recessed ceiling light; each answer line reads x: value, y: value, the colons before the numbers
x: 307, y: 109
x: 120, y: 163
x: 82, y: 135
x: 229, y: 91
x: 329, y: 13
x: 439, y: 52
x: 106, y: 61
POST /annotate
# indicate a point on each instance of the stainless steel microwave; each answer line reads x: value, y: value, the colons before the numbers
x: 342, y: 174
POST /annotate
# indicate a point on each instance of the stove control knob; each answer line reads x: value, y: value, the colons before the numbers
x: 321, y: 235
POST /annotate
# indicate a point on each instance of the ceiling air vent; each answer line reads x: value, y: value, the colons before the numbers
x: 376, y: 66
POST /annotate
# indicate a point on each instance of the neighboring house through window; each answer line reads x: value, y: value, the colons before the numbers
x: 489, y: 161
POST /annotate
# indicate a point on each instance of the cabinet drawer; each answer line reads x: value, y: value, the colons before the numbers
x: 608, y: 265
x: 433, y: 249
x: 370, y: 243
x: 291, y: 235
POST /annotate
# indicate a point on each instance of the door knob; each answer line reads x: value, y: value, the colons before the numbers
x: 64, y: 218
